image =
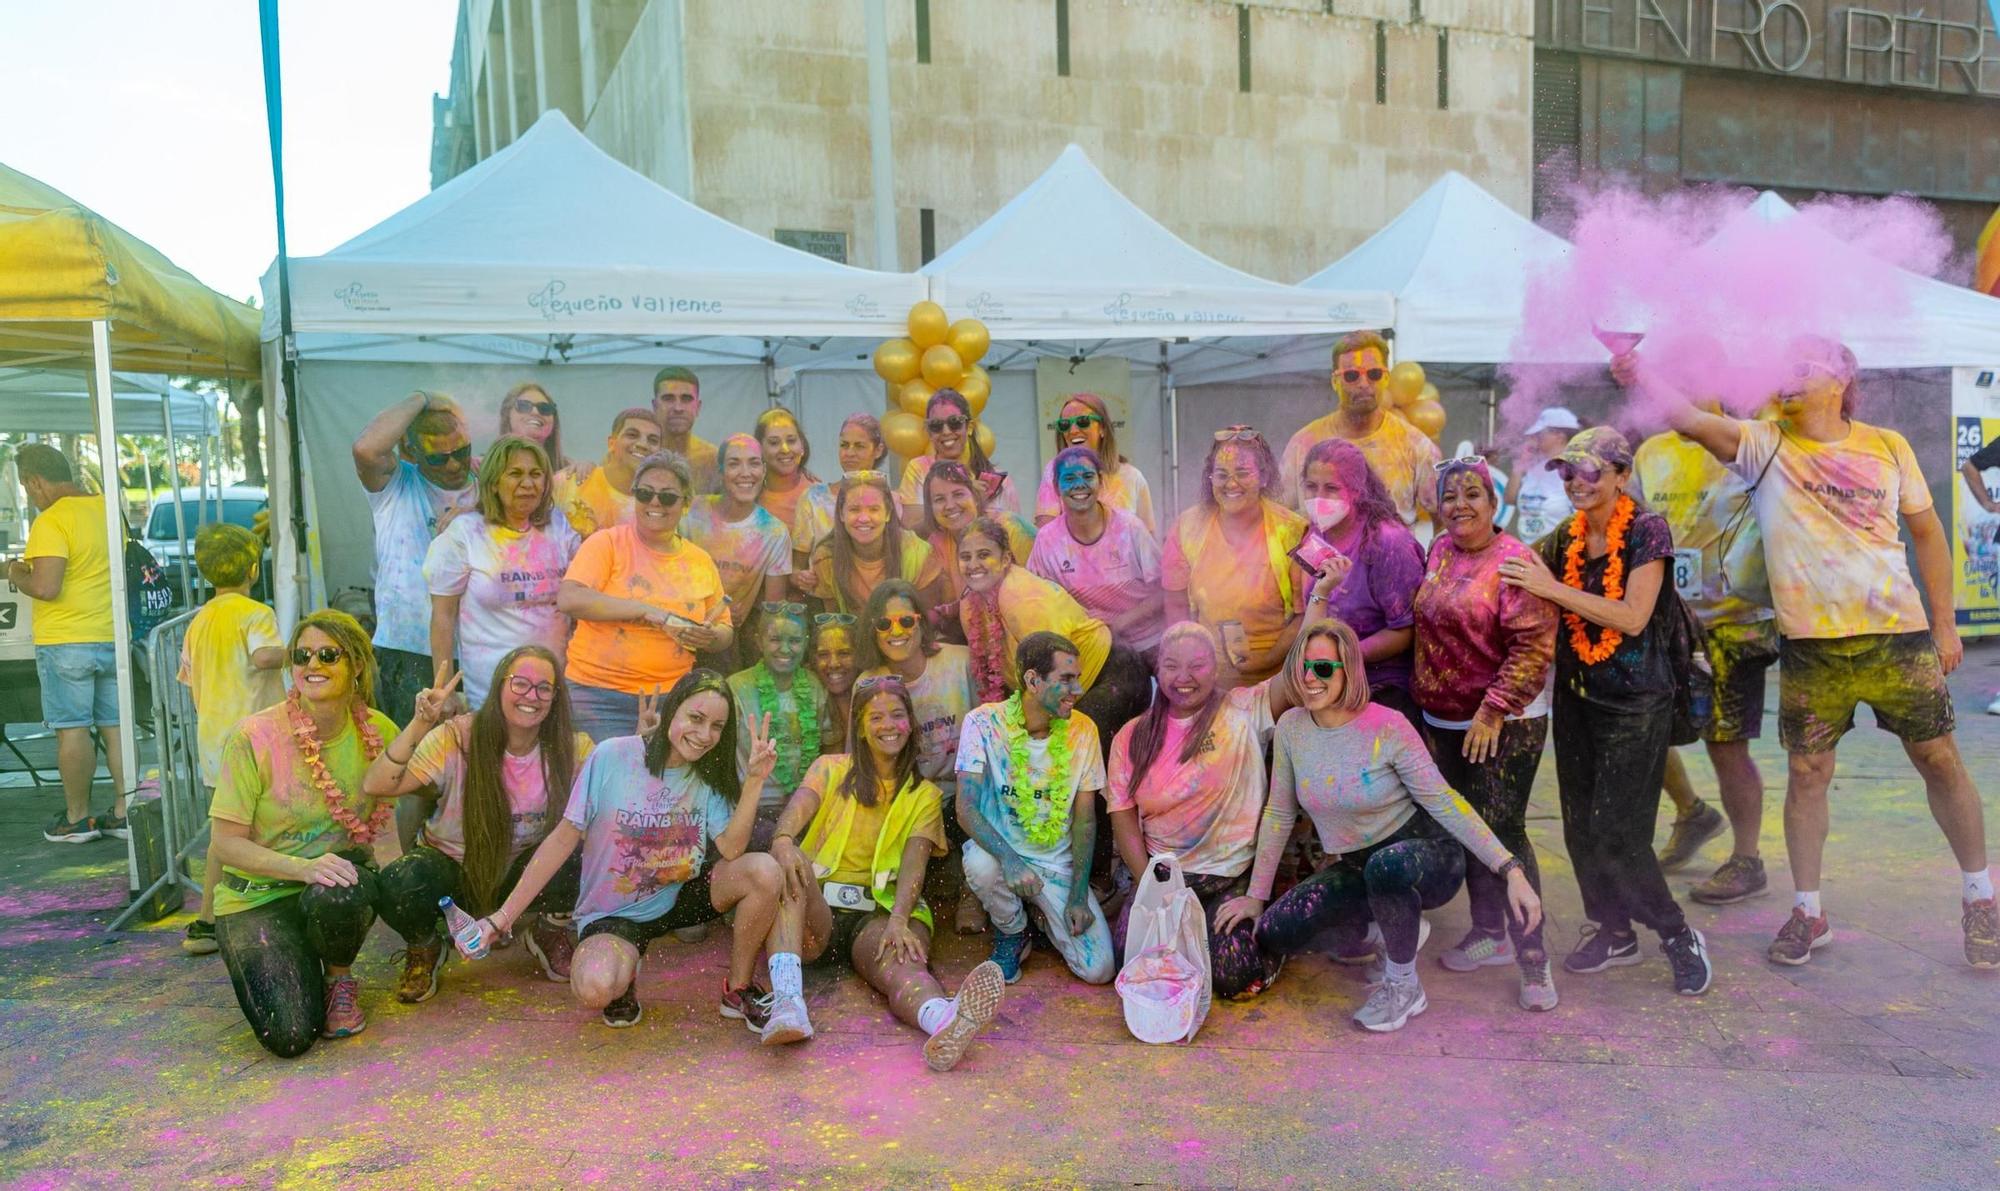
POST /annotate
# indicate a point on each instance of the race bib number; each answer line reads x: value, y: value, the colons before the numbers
x: 1687, y: 573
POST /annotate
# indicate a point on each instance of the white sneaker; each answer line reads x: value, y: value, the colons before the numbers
x: 1993, y: 708
x: 1378, y: 968
x: 973, y: 1008
x: 788, y: 1022
x: 1390, y: 1005
x: 1538, y: 987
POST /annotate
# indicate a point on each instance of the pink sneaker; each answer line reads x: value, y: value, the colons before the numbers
x: 1799, y: 938
x: 343, y: 1009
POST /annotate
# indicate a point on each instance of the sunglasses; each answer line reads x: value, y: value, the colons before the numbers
x: 880, y: 682
x: 440, y: 458
x: 1460, y: 461
x: 1354, y: 374
x: 868, y: 475
x: 1322, y: 668
x: 782, y: 608
x: 667, y: 498
x: 1079, y: 422
x: 522, y: 686
x: 1237, y: 434
x: 1579, y: 471
x: 904, y: 620
x: 327, y: 655
x: 831, y: 618
x: 955, y: 423
x: 545, y: 408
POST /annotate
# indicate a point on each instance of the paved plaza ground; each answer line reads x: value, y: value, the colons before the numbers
x: 124, y: 1063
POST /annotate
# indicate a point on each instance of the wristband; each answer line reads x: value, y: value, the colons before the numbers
x: 1513, y: 863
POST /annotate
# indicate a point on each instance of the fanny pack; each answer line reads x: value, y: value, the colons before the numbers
x: 841, y: 896
x: 246, y: 885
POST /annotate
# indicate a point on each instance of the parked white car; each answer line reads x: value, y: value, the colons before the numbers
x: 240, y: 505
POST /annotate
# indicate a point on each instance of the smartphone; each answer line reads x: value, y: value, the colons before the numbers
x: 1235, y: 642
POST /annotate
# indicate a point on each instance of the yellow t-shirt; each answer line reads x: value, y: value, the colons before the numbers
x: 594, y: 504
x: 868, y: 576
x: 1707, y: 507
x: 1236, y: 581
x: 1030, y: 604
x: 215, y: 666
x: 856, y: 865
x: 72, y: 529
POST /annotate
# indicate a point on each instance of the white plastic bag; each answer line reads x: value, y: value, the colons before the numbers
x: 1166, y: 983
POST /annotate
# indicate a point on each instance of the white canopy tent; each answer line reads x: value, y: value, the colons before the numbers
x: 48, y: 401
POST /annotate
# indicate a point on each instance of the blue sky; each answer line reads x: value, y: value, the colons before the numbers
x: 152, y: 114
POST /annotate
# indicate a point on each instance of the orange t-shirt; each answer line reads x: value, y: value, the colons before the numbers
x: 632, y: 656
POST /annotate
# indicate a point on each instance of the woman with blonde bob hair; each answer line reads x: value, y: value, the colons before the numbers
x: 1392, y: 829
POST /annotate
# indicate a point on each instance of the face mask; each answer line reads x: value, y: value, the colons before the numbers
x: 1325, y: 512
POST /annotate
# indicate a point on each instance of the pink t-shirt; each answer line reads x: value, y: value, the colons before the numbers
x: 1205, y: 811
x: 440, y: 761
x: 1116, y: 578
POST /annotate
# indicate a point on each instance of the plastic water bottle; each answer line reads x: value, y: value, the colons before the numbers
x: 465, y: 932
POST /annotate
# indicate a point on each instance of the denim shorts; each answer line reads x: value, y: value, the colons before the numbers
x: 601, y: 713
x: 79, y: 683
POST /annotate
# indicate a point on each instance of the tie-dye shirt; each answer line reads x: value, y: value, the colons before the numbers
x: 1360, y: 782
x: 266, y: 787
x: 1379, y: 591
x: 1236, y: 581
x: 1398, y: 453
x: 1832, y: 545
x: 1124, y: 487
x: 506, y: 581
x: 1205, y: 810
x: 1116, y: 578
x: 941, y: 695
x: 1480, y: 643
x: 406, y: 513
x: 592, y: 504
x: 643, y: 836
x: 439, y: 760
x: 744, y: 552
x: 984, y: 748
x: 1707, y: 508
x: 813, y: 519
x: 632, y: 656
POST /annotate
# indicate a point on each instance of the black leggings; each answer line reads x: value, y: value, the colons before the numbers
x: 1498, y: 789
x: 1419, y: 868
x: 1609, y: 768
x: 275, y: 952
x: 412, y: 884
x: 1235, y: 962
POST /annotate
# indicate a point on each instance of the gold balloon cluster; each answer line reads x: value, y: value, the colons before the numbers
x: 1415, y: 400
x: 938, y: 354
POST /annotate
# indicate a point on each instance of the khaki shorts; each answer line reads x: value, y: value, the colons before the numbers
x: 1822, y: 680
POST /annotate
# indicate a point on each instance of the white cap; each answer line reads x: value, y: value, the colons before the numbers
x: 1161, y: 991
x: 1555, y: 417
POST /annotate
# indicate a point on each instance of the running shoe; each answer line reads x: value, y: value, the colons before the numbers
x: 422, y: 968
x: 1538, y: 986
x: 1799, y: 938
x: 1262, y: 983
x: 1597, y: 949
x: 1687, y: 952
x: 787, y: 1022
x: 1993, y: 708
x: 1390, y: 1005
x: 1010, y: 952
x: 1478, y: 950
x: 1982, y: 933
x: 199, y: 939
x: 1369, y: 950
x: 624, y: 1011
x: 750, y: 1006
x: 970, y: 918
x: 343, y: 1009
x: 972, y: 1010
x: 1738, y: 878
x: 63, y: 831
x: 552, y: 942
x: 1690, y: 832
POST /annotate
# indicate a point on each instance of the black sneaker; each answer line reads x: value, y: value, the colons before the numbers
x: 1688, y: 953
x: 199, y: 939
x: 112, y: 825
x: 1598, y: 949
x: 625, y: 1010
x: 62, y: 831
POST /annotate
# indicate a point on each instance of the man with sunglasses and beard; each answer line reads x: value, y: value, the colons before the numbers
x: 1401, y: 456
x: 415, y: 462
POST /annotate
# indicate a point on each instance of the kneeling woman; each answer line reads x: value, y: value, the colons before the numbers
x: 854, y: 843
x: 503, y: 776
x: 646, y: 809
x: 1391, y: 828
x: 293, y: 829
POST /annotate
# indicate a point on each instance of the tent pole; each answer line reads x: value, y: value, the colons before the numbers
x: 180, y: 512
x: 1170, y: 448
x: 1492, y: 415
x: 114, y: 531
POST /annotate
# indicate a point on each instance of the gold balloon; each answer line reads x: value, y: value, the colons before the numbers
x: 984, y: 437
x: 969, y: 339
x: 942, y: 367
x: 1429, y: 393
x: 905, y: 435
x: 976, y: 388
x: 928, y: 325
x: 1428, y: 416
x: 1406, y: 381
x: 892, y: 395
x: 896, y: 360
x: 914, y: 397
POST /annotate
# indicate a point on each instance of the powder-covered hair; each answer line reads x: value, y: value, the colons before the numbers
x: 838, y: 544
x: 348, y: 634
x: 772, y: 417
x: 486, y: 810
x: 872, y: 427
x: 1260, y: 450
x: 672, y: 462
x: 494, y: 465
x: 864, y: 780
x: 440, y: 417
x: 225, y: 554
x: 1108, y: 441
x: 1149, y: 731
x: 878, y: 607
x: 1366, y: 493
x: 514, y: 398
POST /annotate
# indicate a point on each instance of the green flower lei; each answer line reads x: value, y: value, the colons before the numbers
x: 797, y: 748
x: 1041, y: 819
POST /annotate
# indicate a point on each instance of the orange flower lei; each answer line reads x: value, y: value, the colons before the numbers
x: 1614, y: 579
x: 306, y: 736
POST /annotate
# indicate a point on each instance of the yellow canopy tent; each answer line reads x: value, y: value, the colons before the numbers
x: 63, y: 267
x: 77, y: 291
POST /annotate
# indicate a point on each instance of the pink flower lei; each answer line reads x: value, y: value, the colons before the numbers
x: 979, y: 612
x: 306, y: 736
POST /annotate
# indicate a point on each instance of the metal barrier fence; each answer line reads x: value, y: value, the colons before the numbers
x: 177, y: 748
